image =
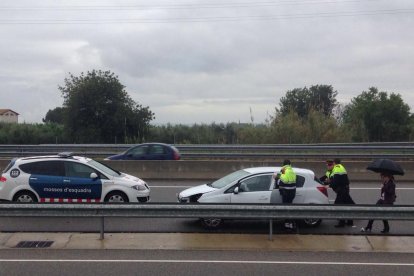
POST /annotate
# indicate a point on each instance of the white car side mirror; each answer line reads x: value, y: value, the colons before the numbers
x: 236, y: 190
x: 93, y: 175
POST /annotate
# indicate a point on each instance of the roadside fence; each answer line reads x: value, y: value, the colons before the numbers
x: 225, y: 211
x: 361, y: 151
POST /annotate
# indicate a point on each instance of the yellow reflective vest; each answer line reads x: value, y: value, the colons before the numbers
x: 287, y: 178
x: 339, y: 177
x: 338, y: 169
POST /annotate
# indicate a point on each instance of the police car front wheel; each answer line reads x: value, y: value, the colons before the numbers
x: 25, y: 196
x: 116, y: 197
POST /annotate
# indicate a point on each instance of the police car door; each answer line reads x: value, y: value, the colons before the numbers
x: 46, y: 179
x: 255, y: 189
x: 79, y: 185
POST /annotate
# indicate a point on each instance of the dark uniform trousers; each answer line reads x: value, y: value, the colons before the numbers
x: 343, y: 197
x: 287, y: 195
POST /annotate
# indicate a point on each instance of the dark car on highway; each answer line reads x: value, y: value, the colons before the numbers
x: 148, y: 151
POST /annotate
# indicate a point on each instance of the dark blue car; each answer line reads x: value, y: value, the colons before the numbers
x: 149, y: 151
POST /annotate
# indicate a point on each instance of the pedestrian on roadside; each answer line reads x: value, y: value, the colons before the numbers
x: 286, y: 181
x: 339, y: 182
x: 388, y: 197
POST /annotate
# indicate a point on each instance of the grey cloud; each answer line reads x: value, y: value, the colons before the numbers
x: 199, y: 71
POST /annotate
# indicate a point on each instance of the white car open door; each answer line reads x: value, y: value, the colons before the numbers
x: 255, y: 189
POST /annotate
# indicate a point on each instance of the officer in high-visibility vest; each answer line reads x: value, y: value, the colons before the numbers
x: 286, y: 180
x: 339, y: 182
x: 325, y: 179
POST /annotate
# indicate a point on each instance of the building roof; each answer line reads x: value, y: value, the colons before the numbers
x: 2, y: 111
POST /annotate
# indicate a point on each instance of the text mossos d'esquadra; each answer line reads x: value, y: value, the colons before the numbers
x: 67, y: 190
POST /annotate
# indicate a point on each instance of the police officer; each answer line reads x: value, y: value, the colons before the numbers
x: 339, y: 182
x: 286, y: 180
x: 325, y: 179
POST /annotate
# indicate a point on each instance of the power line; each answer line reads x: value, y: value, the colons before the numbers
x: 207, y: 19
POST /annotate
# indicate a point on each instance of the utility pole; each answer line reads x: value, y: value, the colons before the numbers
x: 125, y: 131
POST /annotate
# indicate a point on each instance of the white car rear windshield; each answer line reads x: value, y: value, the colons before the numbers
x: 224, y: 181
x: 10, y: 165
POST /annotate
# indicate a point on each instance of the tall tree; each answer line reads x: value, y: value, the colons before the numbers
x: 99, y: 110
x: 411, y: 127
x: 377, y: 116
x: 321, y: 98
x: 55, y: 116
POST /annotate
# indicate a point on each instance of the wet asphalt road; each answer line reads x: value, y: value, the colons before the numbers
x: 165, y: 191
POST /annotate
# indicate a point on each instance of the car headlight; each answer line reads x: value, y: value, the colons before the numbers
x: 183, y: 199
x: 139, y: 187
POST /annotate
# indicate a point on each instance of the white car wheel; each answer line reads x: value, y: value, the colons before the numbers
x: 116, y: 197
x: 312, y: 222
x: 212, y: 222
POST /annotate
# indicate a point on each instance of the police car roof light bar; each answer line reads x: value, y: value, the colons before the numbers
x: 65, y: 154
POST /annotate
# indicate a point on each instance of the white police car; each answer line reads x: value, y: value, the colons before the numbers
x: 68, y: 178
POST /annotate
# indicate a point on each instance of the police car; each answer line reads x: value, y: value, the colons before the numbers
x: 68, y: 178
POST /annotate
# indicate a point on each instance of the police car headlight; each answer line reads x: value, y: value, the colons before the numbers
x: 139, y: 187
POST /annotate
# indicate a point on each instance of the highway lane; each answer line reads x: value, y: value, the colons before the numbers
x: 165, y: 191
x: 361, y: 192
x: 211, y: 262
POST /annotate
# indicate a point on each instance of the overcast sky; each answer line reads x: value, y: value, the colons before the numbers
x: 205, y: 61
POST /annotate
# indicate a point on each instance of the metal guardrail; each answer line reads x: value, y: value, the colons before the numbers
x: 235, y: 151
x: 226, y: 211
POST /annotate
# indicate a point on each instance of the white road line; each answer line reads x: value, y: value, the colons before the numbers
x: 380, y: 188
x: 203, y: 261
x: 151, y: 186
x: 161, y: 186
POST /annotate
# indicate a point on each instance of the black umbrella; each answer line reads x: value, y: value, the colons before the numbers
x: 386, y: 166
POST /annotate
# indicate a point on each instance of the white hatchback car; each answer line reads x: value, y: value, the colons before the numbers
x: 256, y: 185
x: 67, y: 178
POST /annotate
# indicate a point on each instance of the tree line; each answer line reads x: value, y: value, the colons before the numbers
x: 96, y: 108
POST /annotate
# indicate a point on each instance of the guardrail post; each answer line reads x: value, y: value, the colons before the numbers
x: 102, y: 228
x: 271, y: 230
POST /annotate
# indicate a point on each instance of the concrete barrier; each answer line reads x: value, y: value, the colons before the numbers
x: 214, y: 169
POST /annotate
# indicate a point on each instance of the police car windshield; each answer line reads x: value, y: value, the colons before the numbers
x: 104, y: 168
x: 224, y: 181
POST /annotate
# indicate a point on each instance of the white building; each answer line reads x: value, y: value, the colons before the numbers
x: 8, y: 116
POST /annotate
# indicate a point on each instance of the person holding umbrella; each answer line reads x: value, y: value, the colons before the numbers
x: 387, y: 198
x: 387, y: 168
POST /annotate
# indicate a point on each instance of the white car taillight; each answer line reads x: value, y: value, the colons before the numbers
x: 323, y: 190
